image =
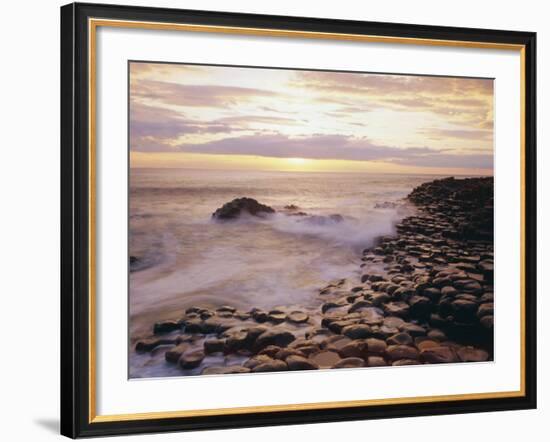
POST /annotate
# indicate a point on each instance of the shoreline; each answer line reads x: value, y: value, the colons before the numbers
x: 424, y: 296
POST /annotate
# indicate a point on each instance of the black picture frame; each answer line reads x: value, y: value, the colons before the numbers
x: 75, y: 220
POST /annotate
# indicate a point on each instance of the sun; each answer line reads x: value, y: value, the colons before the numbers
x: 297, y: 161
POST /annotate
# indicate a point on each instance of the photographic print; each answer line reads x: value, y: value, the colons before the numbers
x: 287, y: 219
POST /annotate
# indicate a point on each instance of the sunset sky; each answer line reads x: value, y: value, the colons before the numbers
x: 209, y: 117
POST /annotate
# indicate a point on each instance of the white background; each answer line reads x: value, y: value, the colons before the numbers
x: 29, y: 181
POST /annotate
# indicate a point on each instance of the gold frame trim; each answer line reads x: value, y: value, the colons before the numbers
x: 93, y: 24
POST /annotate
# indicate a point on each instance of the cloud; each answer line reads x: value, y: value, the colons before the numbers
x: 336, y: 147
x: 195, y: 95
x: 461, y: 134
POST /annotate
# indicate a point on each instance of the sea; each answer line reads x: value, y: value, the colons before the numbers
x: 186, y: 258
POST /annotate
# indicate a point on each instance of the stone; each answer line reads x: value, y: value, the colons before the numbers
x: 295, y: 362
x: 485, y: 309
x: 214, y: 345
x: 284, y: 353
x: 376, y: 346
x: 351, y: 362
x: 151, y: 344
x: 471, y: 354
x: 236, y: 341
x: 276, y: 316
x: 449, y: 291
x: 357, y: 331
x: 356, y: 348
x: 426, y: 343
x: 402, y: 362
x: 464, y: 310
x: 487, y: 321
x: 400, y: 339
x: 297, y: 317
x: 175, y: 353
x: 397, y: 308
x: 254, y: 361
x: 234, y: 209
x: 325, y: 359
x: 376, y: 361
x: 273, y: 365
x: 413, y: 329
x: 270, y: 350
x: 396, y: 352
x: 438, y: 355
x: 274, y: 337
x: 165, y: 327
x: 420, y: 306
x: 231, y: 369
x: 191, y: 360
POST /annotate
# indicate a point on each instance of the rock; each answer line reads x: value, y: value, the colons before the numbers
x: 426, y: 343
x: 438, y: 355
x: 449, y: 291
x: 376, y: 361
x: 356, y: 348
x: 376, y: 346
x: 298, y: 317
x: 464, y: 310
x: 214, y: 345
x: 191, y: 360
x: 357, y: 331
x: 270, y: 350
x: 231, y: 369
x: 487, y: 321
x: 337, y: 344
x: 254, y: 361
x: 471, y: 354
x: 276, y: 316
x: 234, y: 209
x: 397, y: 308
x: 396, y: 352
x: 413, y: 329
x: 175, y: 353
x: 400, y: 339
x: 485, y: 309
x: 273, y: 365
x: 420, y: 306
x: 151, y: 344
x: 401, y: 362
x: 437, y: 335
x: 165, y: 327
x: 300, y: 363
x: 284, y: 353
x: 274, y: 337
x: 325, y: 359
x: 350, y: 363
x: 236, y: 341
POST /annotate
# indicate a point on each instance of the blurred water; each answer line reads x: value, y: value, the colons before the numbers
x: 189, y: 259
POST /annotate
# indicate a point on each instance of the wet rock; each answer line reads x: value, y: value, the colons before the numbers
x: 295, y: 362
x: 337, y: 344
x: 298, y: 317
x: 325, y: 359
x: 376, y: 361
x: 420, y: 306
x: 257, y: 360
x: 236, y: 341
x: 270, y: 350
x: 276, y: 316
x: 376, y: 346
x: 396, y: 352
x: 487, y: 321
x: 175, y: 353
x: 231, y: 369
x: 234, y: 209
x: 357, y: 331
x: 150, y: 344
x: 400, y: 339
x: 413, y: 329
x: 485, y: 309
x: 426, y: 343
x: 214, y: 345
x: 272, y: 365
x: 274, y: 337
x: 464, y: 310
x: 165, y: 327
x: 397, y: 308
x: 438, y: 355
x: 437, y: 335
x: 401, y: 362
x: 191, y: 360
x: 284, y: 353
x: 351, y: 362
x: 471, y: 354
x: 356, y: 348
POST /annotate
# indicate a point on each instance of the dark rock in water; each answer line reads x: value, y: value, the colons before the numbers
x: 291, y: 207
x: 151, y: 344
x: 274, y: 337
x: 238, y: 206
x: 272, y: 365
x: 231, y: 369
x: 175, y: 353
x: 438, y: 355
x: 165, y: 327
x: 191, y: 360
x: 350, y: 363
x: 295, y: 362
x: 396, y: 352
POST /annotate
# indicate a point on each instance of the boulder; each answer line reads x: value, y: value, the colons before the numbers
x: 234, y: 209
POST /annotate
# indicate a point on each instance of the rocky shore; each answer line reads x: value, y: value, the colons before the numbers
x: 424, y: 296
